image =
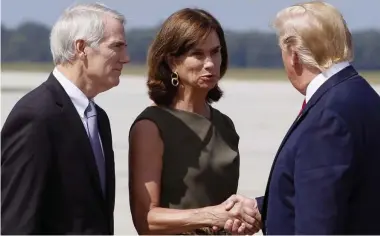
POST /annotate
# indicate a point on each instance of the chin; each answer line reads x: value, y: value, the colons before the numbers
x: 115, y: 81
x: 208, y: 85
x: 110, y: 84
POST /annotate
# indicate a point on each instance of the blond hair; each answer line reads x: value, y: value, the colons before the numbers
x: 317, y: 32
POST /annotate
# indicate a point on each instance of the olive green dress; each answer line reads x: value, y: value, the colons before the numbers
x: 200, y: 160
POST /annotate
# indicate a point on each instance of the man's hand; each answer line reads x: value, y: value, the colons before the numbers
x: 250, y: 208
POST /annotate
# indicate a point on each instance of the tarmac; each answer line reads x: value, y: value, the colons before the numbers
x: 262, y: 112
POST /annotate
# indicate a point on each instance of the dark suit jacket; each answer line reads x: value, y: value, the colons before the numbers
x: 326, y: 178
x: 49, y: 179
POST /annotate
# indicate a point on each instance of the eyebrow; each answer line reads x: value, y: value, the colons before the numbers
x: 119, y: 43
x: 217, y: 47
x: 212, y: 49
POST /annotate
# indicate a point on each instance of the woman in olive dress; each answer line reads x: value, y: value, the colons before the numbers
x: 183, y: 153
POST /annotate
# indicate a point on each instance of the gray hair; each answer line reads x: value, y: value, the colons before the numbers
x: 82, y: 21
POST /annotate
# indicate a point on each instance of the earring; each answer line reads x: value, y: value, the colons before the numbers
x: 175, y: 80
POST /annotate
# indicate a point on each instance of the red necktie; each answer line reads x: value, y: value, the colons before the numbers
x: 303, y: 106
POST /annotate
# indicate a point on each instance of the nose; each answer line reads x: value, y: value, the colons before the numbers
x: 125, y: 58
x: 209, y: 63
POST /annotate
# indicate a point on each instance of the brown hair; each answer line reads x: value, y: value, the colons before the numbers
x: 182, y: 31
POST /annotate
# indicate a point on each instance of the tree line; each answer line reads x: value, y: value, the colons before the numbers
x: 29, y: 42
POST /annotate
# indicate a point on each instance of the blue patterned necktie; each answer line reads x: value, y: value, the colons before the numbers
x: 93, y: 133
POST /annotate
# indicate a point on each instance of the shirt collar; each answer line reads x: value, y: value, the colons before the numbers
x: 323, y: 77
x: 77, y: 97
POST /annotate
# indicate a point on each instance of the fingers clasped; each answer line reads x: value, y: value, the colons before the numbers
x: 245, y: 215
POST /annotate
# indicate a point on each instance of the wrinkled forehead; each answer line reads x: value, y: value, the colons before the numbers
x: 113, y: 29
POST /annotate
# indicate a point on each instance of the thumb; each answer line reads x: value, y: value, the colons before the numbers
x: 230, y: 202
x: 229, y: 205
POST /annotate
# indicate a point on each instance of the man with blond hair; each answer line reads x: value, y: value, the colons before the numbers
x: 325, y: 176
x: 57, y: 160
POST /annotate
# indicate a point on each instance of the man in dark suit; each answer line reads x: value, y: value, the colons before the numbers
x: 57, y: 161
x: 325, y: 177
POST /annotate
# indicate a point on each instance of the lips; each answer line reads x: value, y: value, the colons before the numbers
x: 209, y: 77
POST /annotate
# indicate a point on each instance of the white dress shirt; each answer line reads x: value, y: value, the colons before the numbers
x: 323, y: 77
x: 78, y: 98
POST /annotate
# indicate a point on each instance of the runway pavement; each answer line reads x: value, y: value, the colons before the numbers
x: 261, y: 110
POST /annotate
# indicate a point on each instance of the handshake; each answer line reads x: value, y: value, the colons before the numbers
x: 237, y: 215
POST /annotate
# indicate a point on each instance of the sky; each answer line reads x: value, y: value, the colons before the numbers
x: 232, y: 14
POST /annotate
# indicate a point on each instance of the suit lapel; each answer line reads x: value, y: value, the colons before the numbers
x: 341, y: 76
x: 105, y: 134
x: 77, y: 129
x: 265, y: 203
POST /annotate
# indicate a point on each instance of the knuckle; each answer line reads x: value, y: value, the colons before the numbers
x: 235, y: 214
x: 249, y: 226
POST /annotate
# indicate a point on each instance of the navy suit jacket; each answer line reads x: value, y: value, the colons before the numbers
x: 325, y: 178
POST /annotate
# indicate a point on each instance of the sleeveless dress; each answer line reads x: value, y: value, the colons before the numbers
x: 200, y: 159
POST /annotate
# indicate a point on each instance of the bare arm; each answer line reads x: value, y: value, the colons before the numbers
x: 145, y: 165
